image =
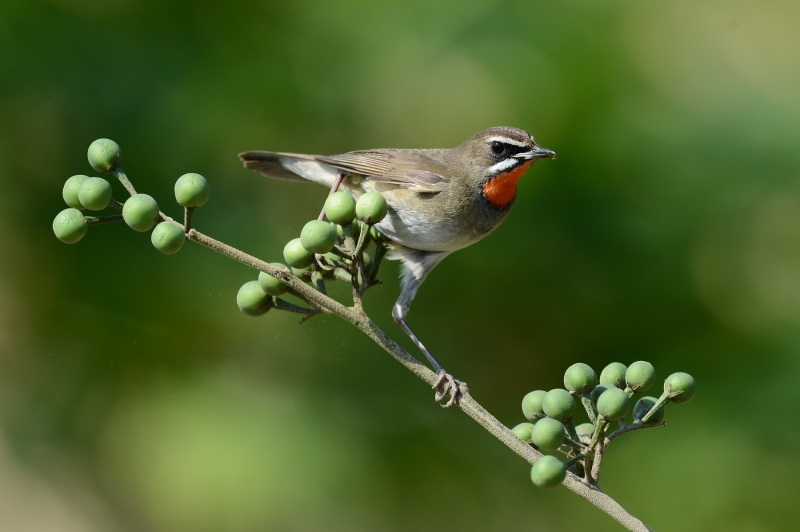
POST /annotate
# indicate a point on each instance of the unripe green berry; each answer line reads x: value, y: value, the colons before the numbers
x: 70, y: 191
x: 548, y: 434
x: 681, y: 387
x: 580, y: 379
x: 643, y: 406
x: 70, y: 225
x: 104, y: 155
x: 340, y: 208
x: 613, y: 404
x: 270, y: 284
x: 318, y: 236
x: 296, y: 255
x: 640, y: 376
x: 523, y: 431
x: 192, y: 190
x: 252, y: 300
x: 597, y: 392
x: 371, y: 207
x: 548, y: 472
x: 559, y: 404
x: 168, y: 237
x: 94, y: 193
x: 140, y: 212
x: 532, y: 405
x: 376, y: 235
x: 585, y: 432
x: 614, y: 375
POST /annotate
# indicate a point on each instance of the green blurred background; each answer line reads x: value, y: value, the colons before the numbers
x: 134, y: 396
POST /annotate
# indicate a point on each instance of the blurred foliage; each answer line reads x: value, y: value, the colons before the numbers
x: 133, y: 394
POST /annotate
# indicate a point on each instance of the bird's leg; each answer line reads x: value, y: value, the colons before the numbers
x: 334, y: 188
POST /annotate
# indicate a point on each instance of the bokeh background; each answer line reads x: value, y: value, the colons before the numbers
x: 134, y: 396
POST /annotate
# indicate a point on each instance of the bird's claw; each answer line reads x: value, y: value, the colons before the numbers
x: 449, y: 387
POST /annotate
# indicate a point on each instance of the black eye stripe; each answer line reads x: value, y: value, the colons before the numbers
x: 502, y: 148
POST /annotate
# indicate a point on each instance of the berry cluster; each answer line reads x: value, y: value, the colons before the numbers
x: 551, y: 426
x: 333, y: 249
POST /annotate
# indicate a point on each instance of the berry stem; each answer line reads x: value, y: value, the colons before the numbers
x: 120, y: 174
x: 664, y: 399
x: 187, y: 218
x: 587, y: 405
x: 98, y: 220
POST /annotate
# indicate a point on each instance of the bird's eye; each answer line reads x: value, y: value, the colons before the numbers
x: 498, y: 147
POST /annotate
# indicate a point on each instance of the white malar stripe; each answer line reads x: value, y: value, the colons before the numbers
x: 502, y: 166
x: 506, y: 140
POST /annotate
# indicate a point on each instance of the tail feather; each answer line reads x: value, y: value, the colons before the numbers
x: 289, y: 166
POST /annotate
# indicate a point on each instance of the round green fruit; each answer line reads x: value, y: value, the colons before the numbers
x: 104, y: 155
x: 532, y: 405
x: 614, y: 375
x: 192, y: 190
x: 318, y: 236
x: 681, y: 387
x: 302, y: 273
x: 585, y: 432
x: 270, y: 284
x: 523, y: 431
x: 613, y: 404
x: 548, y: 434
x: 371, y: 207
x: 548, y: 472
x: 70, y: 225
x: 70, y: 191
x: 168, y: 237
x: 340, y: 208
x: 140, y: 212
x: 597, y: 392
x: 296, y: 255
x: 94, y: 193
x: 580, y: 379
x: 643, y: 406
x: 559, y: 404
x: 252, y: 300
x: 640, y: 376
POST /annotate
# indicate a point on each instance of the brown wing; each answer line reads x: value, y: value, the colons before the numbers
x: 405, y: 168
x: 269, y: 163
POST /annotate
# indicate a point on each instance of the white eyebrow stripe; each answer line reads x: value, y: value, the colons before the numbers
x: 502, y: 166
x: 506, y: 140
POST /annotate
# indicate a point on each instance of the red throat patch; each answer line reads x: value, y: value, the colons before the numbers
x: 501, y: 190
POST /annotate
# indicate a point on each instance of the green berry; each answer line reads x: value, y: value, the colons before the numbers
x: 640, y: 376
x: 643, y: 406
x: 94, y: 193
x: 614, y: 375
x: 548, y: 472
x: 548, y: 434
x: 318, y: 236
x: 376, y: 235
x: 371, y: 207
x: 140, y: 212
x: 270, y: 284
x: 523, y: 431
x: 296, y: 255
x: 532, y: 405
x: 168, y: 237
x: 70, y: 225
x: 681, y: 387
x: 70, y: 191
x: 580, y: 379
x: 191, y: 190
x: 340, y: 208
x: 104, y: 155
x: 597, y: 392
x: 559, y: 404
x: 252, y: 300
x: 584, y: 432
x: 613, y: 404
x: 302, y: 273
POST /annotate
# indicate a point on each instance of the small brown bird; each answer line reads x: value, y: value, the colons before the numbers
x: 440, y: 201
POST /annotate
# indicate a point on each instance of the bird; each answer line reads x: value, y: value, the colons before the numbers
x: 440, y: 201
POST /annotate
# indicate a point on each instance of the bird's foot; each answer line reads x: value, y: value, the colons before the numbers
x: 447, y: 386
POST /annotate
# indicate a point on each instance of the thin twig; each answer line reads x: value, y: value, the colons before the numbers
x: 97, y: 220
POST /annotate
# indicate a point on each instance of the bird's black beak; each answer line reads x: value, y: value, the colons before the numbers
x: 536, y: 153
